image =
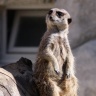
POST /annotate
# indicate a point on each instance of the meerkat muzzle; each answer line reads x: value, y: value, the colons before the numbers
x: 51, y: 18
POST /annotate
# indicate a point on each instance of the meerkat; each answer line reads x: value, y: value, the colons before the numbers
x: 54, y: 67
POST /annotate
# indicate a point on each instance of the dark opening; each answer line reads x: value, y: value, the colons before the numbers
x: 10, y: 21
x: 30, y: 31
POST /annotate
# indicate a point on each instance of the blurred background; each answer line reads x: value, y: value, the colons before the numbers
x: 22, y: 24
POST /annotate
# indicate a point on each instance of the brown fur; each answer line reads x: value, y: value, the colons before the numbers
x: 54, y: 68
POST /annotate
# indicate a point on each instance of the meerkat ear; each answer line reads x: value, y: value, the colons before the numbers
x: 69, y: 20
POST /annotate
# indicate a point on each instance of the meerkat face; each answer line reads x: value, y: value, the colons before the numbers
x: 58, y: 17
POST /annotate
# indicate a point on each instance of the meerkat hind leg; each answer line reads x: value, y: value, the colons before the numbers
x: 56, y: 89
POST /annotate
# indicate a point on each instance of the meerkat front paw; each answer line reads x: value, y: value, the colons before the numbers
x: 57, y: 71
x: 56, y: 68
x: 68, y: 73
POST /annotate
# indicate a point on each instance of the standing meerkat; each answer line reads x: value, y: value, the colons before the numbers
x: 54, y: 68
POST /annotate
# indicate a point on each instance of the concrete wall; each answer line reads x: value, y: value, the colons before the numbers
x: 1, y: 13
x: 82, y: 37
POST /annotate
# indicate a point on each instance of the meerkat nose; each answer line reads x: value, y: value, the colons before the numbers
x: 51, y: 18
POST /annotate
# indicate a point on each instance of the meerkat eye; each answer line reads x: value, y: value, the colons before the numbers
x: 59, y: 14
x: 50, y: 12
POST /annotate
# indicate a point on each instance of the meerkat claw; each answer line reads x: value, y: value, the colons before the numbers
x: 57, y: 69
x: 68, y: 75
x: 57, y: 72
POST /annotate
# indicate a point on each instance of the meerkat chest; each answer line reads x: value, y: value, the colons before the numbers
x: 59, y: 49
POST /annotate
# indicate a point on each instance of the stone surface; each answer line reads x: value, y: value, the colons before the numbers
x: 8, y: 85
x: 16, y: 79
x: 1, y: 32
x: 85, y: 56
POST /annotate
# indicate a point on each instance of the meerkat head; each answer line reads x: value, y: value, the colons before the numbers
x: 59, y: 18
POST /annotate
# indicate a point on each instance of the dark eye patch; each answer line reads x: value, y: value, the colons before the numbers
x: 59, y: 14
x: 50, y: 12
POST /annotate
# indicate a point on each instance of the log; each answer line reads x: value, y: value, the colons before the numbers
x: 16, y: 79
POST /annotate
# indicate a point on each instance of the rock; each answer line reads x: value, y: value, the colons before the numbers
x: 8, y: 86
x: 16, y: 79
x: 86, y: 68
